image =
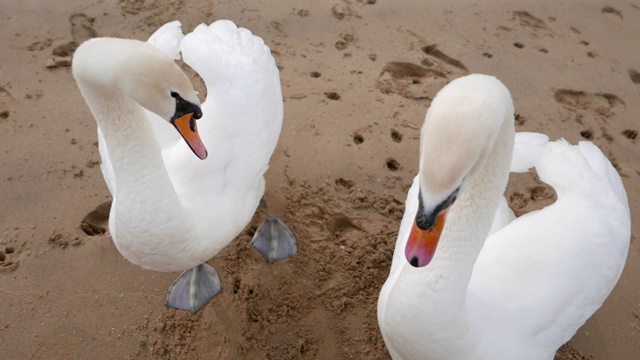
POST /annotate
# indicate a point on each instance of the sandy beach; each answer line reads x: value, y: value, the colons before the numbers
x: 357, y: 78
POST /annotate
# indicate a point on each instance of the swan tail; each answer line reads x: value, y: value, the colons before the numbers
x: 168, y: 39
x: 526, y: 149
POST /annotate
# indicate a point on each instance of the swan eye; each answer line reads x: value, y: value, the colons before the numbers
x: 175, y: 94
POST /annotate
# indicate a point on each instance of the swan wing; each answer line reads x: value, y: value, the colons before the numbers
x: 526, y: 149
x: 168, y: 39
x: 242, y: 114
x: 544, y: 274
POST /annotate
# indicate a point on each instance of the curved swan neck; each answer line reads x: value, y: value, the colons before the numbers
x: 469, y: 219
x: 135, y: 154
x: 441, y: 287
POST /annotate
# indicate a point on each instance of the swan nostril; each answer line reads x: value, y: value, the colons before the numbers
x: 414, y: 261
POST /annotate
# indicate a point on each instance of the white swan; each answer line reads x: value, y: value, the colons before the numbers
x: 523, y: 291
x: 171, y: 210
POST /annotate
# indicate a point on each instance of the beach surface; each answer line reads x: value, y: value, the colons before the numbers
x: 357, y: 78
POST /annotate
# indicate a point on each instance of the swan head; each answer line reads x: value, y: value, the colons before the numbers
x: 148, y: 76
x: 458, y: 135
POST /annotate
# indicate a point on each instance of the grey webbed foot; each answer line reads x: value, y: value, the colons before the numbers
x: 194, y: 288
x: 273, y: 239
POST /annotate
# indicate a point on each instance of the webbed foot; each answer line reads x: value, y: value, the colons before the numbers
x: 194, y: 288
x: 273, y: 239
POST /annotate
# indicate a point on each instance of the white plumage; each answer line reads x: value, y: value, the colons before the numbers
x: 173, y: 211
x: 499, y: 288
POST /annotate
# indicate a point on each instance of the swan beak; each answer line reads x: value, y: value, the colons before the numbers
x: 422, y: 244
x: 186, y: 126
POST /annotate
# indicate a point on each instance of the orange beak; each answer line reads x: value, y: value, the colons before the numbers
x: 421, y: 246
x: 186, y: 126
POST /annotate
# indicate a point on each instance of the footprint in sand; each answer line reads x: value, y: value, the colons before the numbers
x: 342, y: 11
x: 591, y: 111
x: 81, y: 31
x: 526, y: 19
x: 602, y: 104
x: 82, y: 28
x: 423, y: 81
x: 345, y: 41
x: 611, y: 10
x: 8, y: 259
x: 409, y: 80
x: 534, y: 198
x: 7, y: 104
x: 537, y: 25
x: 433, y: 51
x: 96, y: 222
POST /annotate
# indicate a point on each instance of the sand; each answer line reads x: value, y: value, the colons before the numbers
x: 357, y: 78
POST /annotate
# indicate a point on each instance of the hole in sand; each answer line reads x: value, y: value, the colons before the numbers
x: 348, y: 184
x: 587, y: 134
x: 630, y: 134
x: 396, y: 136
x: 9, y: 250
x: 315, y: 74
x: 332, y: 95
x: 635, y: 76
x: 2, y: 257
x: 358, y: 139
x: 392, y: 164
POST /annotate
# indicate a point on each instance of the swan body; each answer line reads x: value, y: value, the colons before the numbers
x: 496, y: 287
x: 173, y: 211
